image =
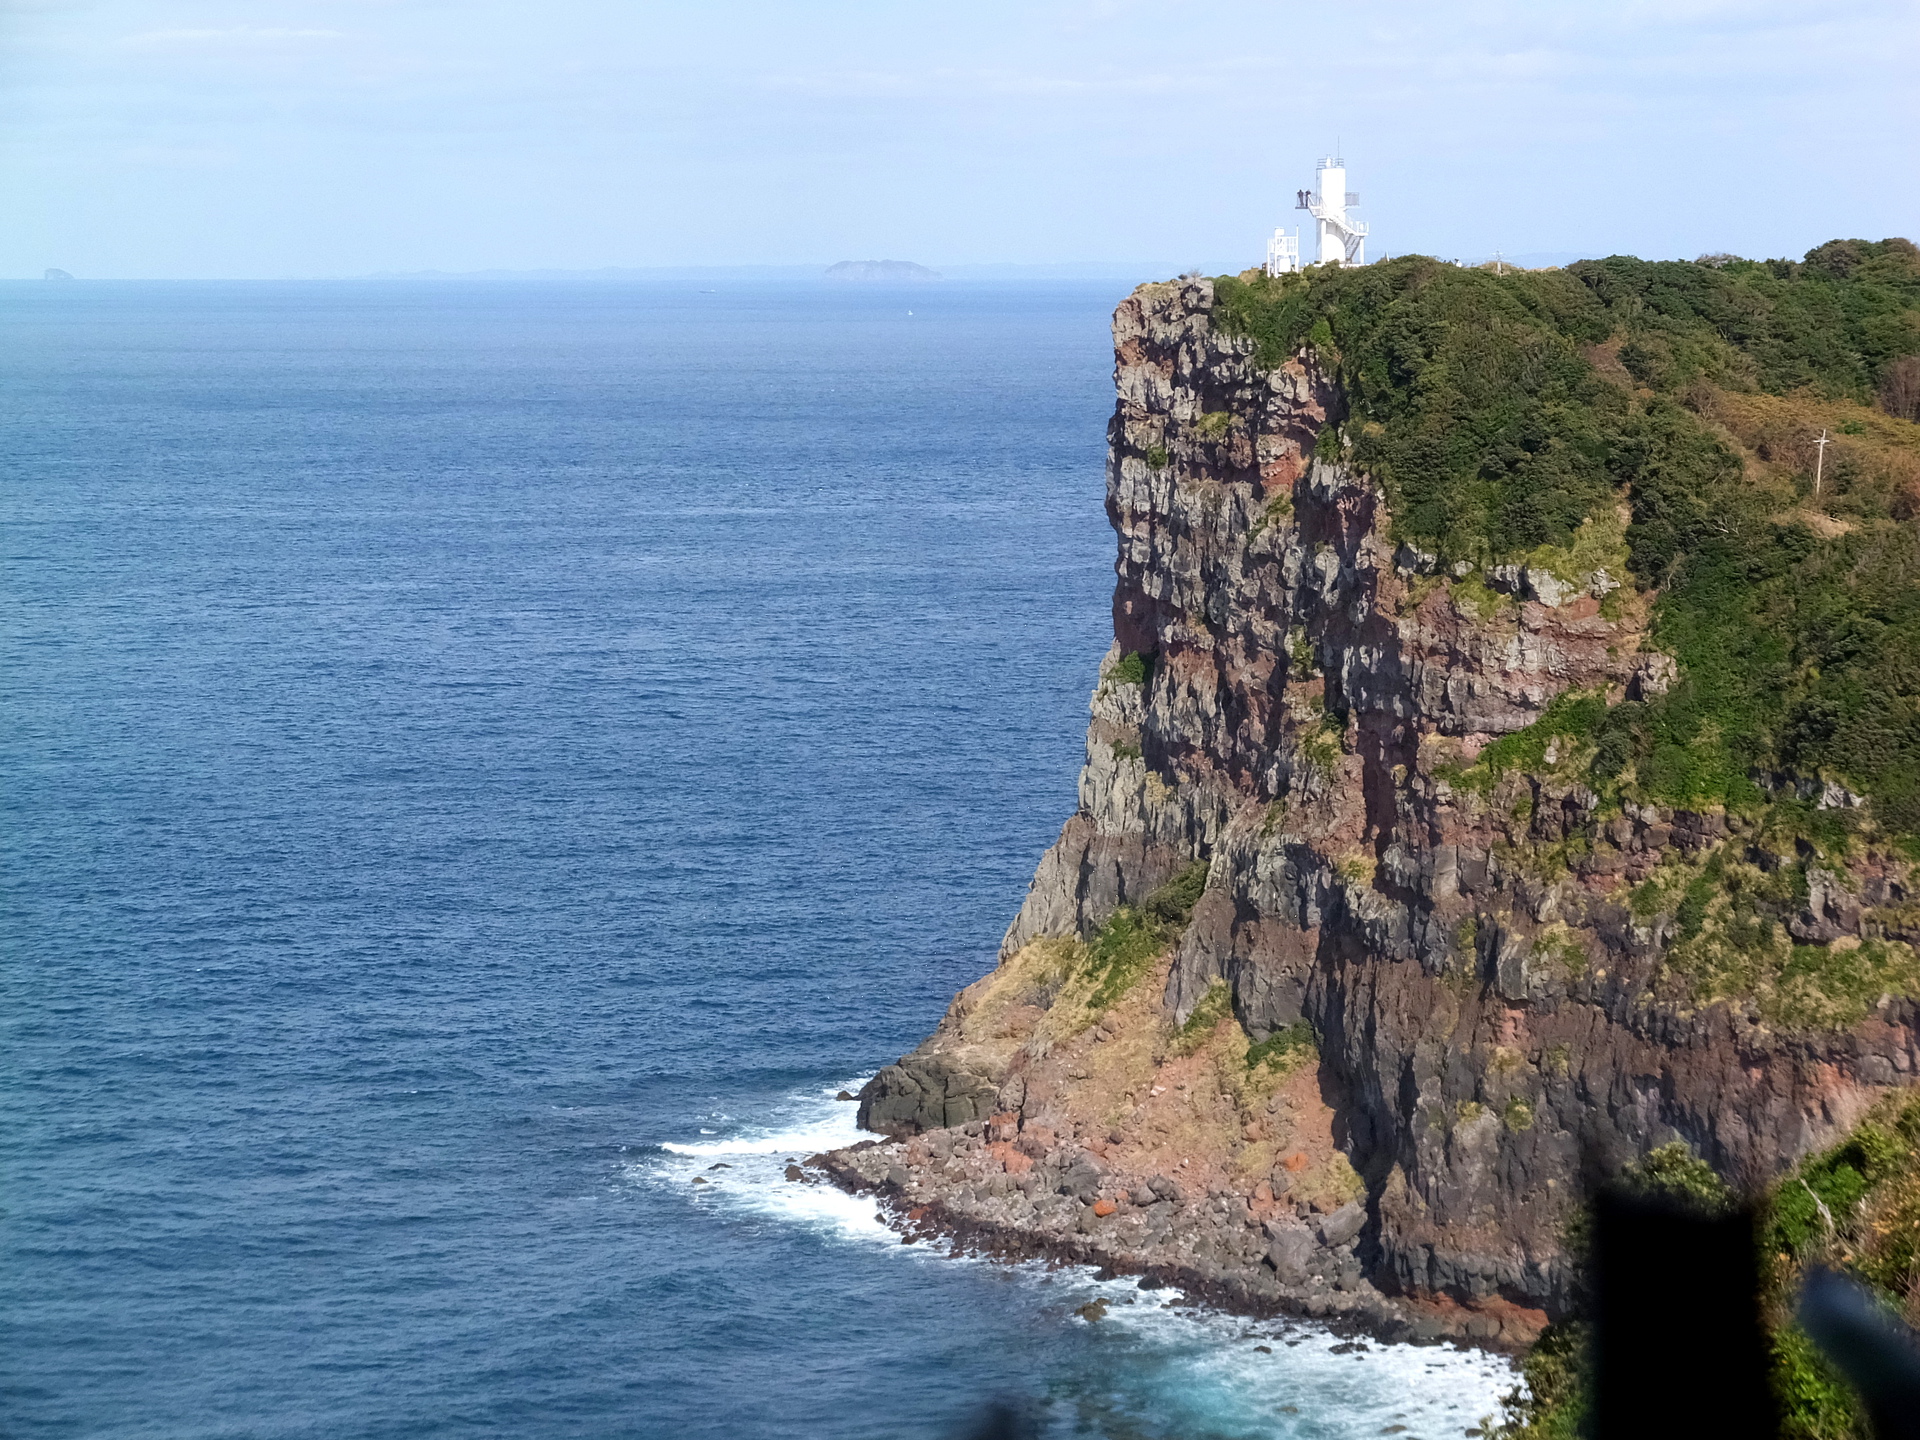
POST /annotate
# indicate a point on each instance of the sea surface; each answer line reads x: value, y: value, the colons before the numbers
x: 477, y: 758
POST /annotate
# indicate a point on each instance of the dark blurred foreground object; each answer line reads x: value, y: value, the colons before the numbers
x: 1680, y: 1350
x: 1878, y: 1354
x: 1680, y: 1347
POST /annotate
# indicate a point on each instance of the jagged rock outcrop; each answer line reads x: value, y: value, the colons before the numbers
x: 1491, y: 979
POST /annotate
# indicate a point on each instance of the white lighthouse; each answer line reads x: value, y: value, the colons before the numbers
x: 1342, y: 238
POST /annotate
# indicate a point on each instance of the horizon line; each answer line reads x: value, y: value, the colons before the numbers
x: 1050, y: 269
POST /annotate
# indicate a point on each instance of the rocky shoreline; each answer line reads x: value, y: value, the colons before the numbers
x: 1213, y: 1248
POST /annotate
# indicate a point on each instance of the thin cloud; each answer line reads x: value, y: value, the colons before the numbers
x: 239, y: 37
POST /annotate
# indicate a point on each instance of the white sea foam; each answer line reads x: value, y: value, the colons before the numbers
x: 1219, y: 1377
x: 1246, y: 1371
x: 804, y: 1126
x: 751, y: 1173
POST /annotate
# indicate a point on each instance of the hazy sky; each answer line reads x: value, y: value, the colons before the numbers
x: 328, y: 137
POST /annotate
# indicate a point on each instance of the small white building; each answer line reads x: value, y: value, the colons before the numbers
x: 1342, y: 239
x: 1283, y: 252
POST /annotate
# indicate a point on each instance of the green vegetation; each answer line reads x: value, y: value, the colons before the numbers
x: 1554, y: 1404
x: 1284, y: 1046
x: 1120, y: 954
x: 1125, y: 749
x: 1572, y: 721
x: 1731, y: 941
x: 1135, y: 935
x: 1173, y: 902
x: 1469, y: 402
x: 1215, y: 1006
x: 1214, y: 424
x: 1508, y: 418
x: 1300, y: 657
x: 1599, y: 544
x: 1674, y: 1172
x: 1133, y: 669
x: 1277, y: 509
x: 1854, y: 1207
x: 1157, y: 457
x: 1480, y: 599
x: 1278, y: 1054
x: 1730, y: 908
x: 1320, y: 745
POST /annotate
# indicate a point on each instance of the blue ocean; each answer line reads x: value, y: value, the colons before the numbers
x: 479, y: 758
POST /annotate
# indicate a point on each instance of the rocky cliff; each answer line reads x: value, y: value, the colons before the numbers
x: 1342, y: 928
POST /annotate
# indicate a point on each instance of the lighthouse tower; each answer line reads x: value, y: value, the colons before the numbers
x: 1342, y: 238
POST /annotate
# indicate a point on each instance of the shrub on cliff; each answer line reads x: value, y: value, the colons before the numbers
x: 1123, y: 949
x: 1284, y: 1046
x: 1133, y: 668
x: 1120, y: 952
x: 1216, y: 1005
x: 1173, y: 902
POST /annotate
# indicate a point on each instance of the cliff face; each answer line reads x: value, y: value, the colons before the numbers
x: 1484, y: 957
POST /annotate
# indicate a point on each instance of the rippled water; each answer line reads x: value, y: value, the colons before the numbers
x: 476, y: 758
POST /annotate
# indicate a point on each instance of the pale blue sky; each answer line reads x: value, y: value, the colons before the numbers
x: 332, y: 137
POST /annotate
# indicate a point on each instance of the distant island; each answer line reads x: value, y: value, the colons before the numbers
x: 888, y: 271
x: 57, y: 275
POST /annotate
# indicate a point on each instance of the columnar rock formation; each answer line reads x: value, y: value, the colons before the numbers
x: 1298, y: 702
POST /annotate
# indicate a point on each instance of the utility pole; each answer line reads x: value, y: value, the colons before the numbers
x: 1820, y: 462
x: 1499, y: 265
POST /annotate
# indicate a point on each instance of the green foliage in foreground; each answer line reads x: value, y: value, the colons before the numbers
x: 1132, y: 669
x: 1555, y: 1402
x: 1854, y: 1206
x: 1134, y: 936
x: 1501, y: 412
